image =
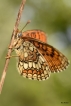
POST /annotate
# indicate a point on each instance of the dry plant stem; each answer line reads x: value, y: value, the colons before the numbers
x: 11, y: 43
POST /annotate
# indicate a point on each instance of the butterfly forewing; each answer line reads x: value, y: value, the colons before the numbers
x: 55, y: 59
x: 36, y: 34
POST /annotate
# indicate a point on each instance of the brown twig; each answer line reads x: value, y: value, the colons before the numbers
x: 11, y: 43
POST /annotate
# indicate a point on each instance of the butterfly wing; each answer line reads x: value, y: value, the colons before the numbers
x: 55, y: 59
x: 31, y: 63
x: 36, y: 34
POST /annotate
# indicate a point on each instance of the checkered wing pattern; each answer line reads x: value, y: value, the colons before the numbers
x: 55, y: 59
x: 31, y: 63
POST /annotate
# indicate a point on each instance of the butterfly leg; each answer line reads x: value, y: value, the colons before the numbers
x: 7, y: 57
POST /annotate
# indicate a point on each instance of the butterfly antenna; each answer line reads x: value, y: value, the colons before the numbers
x: 26, y: 24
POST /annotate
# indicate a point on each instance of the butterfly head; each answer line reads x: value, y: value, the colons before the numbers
x: 18, y: 40
x: 18, y: 34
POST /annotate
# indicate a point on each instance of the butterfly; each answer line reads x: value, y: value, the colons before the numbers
x: 37, y: 59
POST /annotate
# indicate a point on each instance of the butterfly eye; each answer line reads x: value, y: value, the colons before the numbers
x: 19, y: 34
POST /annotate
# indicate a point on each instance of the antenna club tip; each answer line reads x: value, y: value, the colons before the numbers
x: 28, y: 21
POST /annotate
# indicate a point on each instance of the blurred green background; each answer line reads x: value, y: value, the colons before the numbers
x: 54, y: 18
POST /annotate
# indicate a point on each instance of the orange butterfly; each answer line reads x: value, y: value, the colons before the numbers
x: 37, y: 59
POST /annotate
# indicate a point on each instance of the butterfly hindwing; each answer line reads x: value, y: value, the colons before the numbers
x: 31, y: 63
